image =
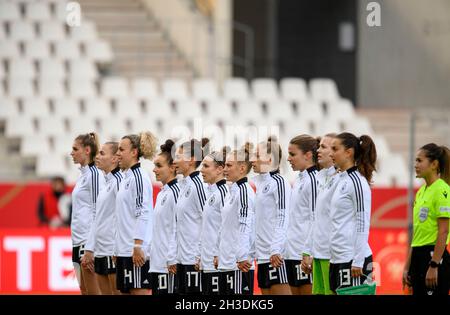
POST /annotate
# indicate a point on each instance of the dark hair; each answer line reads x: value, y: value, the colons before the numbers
x: 307, y: 143
x: 433, y: 152
x: 114, y: 146
x: 243, y: 155
x: 365, y: 152
x: 144, y: 142
x: 167, y: 150
x: 219, y: 157
x: 89, y: 140
x: 196, y: 149
x: 58, y: 179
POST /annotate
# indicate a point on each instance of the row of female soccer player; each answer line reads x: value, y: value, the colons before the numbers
x: 208, y: 229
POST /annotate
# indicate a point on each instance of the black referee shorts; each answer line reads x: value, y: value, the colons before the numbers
x: 420, y: 260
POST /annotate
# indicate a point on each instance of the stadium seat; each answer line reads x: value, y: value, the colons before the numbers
x: 114, y: 87
x: 51, y: 126
x: 325, y: 126
x: 220, y: 109
x: 358, y: 126
x: 205, y: 90
x: 191, y: 110
x: 128, y: 107
x: 174, y: 90
x: 323, y: 90
x: 50, y: 165
x: 160, y: 109
x: 52, y: 30
x: 294, y: 90
x: 22, y: 31
x: 310, y: 110
x: 51, y: 88
x: 87, y: 31
x: 236, y: 89
x: 62, y: 144
x: 20, y: 88
x: 35, y: 145
x: 8, y: 108
x: 51, y: 69
x: 381, y: 145
x: 82, y: 69
x: 97, y: 108
x: 2, y: 32
x: 9, y: 11
x: 139, y: 124
x: 99, y: 51
x: 82, y: 89
x: 82, y: 126
x: 251, y: 110
x: 22, y: 68
x: 19, y: 126
x: 393, y: 165
x: 9, y: 49
x: 340, y: 109
x: 264, y: 89
x: 114, y: 126
x: 67, y: 50
x: 35, y: 107
x: 280, y: 110
x: 66, y: 108
x: 37, y: 49
x: 37, y: 11
x: 144, y: 88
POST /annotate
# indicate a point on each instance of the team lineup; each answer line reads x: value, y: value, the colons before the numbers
x: 209, y: 230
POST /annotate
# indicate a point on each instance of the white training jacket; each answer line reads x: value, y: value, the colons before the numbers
x: 84, y: 199
x: 236, y: 230
x: 102, y: 237
x: 164, y: 250
x: 273, y: 193
x: 189, y: 211
x: 211, y: 223
x: 134, y: 208
x: 318, y: 243
x: 350, y: 219
x: 301, y: 213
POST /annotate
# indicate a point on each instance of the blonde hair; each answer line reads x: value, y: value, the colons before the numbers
x: 145, y: 142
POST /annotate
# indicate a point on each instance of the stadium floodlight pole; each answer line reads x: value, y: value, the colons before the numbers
x: 411, y: 155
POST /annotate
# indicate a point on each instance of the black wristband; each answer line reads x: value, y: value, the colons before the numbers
x: 433, y: 264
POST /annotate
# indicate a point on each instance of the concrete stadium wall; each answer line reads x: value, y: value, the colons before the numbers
x: 406, y: 61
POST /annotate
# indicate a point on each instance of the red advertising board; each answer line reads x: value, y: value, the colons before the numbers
x: 36, y: 260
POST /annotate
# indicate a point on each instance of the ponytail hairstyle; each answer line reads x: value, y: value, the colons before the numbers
x: 219, y: 157
x: 365, y: 152
x: 243, y: 155
x: 196, y: 149
x: 273, y: 148
x: 167, y: 150
x: 114, y: 146
x: 145, y: 143
x: 433, y: 152
x: 90, y: 140
x: 307, y: 143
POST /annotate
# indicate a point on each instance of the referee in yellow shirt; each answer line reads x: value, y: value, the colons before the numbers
x: 427, y: 268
